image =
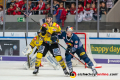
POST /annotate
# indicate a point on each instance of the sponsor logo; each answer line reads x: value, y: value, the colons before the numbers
x: 54, y: 29
x: 105, y: 49
x: 14, y: 47
x: 74, y: 74
x: 76, y: 42
x: 81, y: 54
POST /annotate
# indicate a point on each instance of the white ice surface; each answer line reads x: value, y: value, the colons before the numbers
x: 15, y: 71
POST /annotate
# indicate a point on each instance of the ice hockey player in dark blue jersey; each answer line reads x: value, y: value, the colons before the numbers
x: 74, y: 45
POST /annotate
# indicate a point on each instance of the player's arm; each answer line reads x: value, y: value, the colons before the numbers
x: 76, y: 44
x: 73, y: 48
x: 58, y: 28
x: 60, y: 35
x: 29, y: 48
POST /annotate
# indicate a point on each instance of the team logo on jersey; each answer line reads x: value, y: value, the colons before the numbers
x: 35, y: 38
x: 81, y: 54
x: 71, y: 40
x: 63, y: 37
x: 69, y: 44
x: 54, y: 29
x: 57, y: 25
x: 76, y: 46
x: 76, y: 42
x: 37, y: 42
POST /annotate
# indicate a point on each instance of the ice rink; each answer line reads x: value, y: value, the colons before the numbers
x: 15, y: 71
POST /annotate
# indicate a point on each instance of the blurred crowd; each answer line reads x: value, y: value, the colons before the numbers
x: 60, y: 8
x: 41, y: 7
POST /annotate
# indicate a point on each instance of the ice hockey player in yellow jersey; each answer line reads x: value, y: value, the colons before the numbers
x: 36, y: 41
x: 49, y: 31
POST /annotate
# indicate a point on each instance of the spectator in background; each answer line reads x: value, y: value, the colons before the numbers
x: 80, y: 8
x: 21, y: 3
x: 58, y: 2
x: 61, y: 14
x: 103, y: 8
x: 47, y: 9
x: 55, y: 6
x: 67, y: 10
x: 94, y: 8
x: 32, y: 6
x: 95, y: 12
x: 17, y: 12
x: 48, y: 1
x: 10, y: 10
x: 72, y: 9
x: 1, y: 17
x: 88, y: 7
x: 16, y: 4
x: 87, y: 1
x: 24, y: 6
x: 29, y: 11
x: 12, y: 3
x: 40, y: 6
x: 81, y: 2
x: 109, y: 4
x: 8, y: 2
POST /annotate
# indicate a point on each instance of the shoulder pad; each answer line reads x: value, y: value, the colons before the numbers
x: 44, y: 25
x: 57, y: 25
x: 35, y: 38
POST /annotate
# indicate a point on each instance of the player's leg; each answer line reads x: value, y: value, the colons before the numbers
x: 40, y: 53
x: 55, y: 50
x: 35, y: 52
x: 68, y: 62
x: 82, y: 55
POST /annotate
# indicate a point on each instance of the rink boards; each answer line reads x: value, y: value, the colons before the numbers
x: 105, y: 49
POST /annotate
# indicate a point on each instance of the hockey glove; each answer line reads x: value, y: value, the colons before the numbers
x: 68, y: 51
x: 43, y: 30
x: 54, y: 37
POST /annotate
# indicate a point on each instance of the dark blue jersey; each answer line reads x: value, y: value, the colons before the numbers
x: 73, y: 42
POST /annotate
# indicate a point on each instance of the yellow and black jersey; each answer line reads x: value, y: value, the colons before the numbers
x: 50, y: 29
x: 36, y: 41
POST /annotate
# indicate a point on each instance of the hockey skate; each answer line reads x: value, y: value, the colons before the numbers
x: 66, y: 72
x: 36, y: 71
x: 94, y: 72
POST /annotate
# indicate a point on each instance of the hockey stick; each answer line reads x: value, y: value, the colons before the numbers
x: 74, y: 56
x: 28, y: 58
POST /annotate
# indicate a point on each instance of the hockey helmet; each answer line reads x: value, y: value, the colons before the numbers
x: 49, y: 15
x: 69, y: 28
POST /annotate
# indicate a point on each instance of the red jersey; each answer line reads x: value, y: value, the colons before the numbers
x: 47, y: 11
x: 59, y: 9
x: 80, y: 9
x: 10, y: 11
x: 87, y: 9
x: 16, y: 13
x: 16, y: 5
x: 41, y: 6
x: 21, y: 3
x: 72, y: 11
x: 87, y: 1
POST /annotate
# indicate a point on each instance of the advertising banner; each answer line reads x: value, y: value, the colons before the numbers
x: 9, y: 47
x: 105, y: 49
